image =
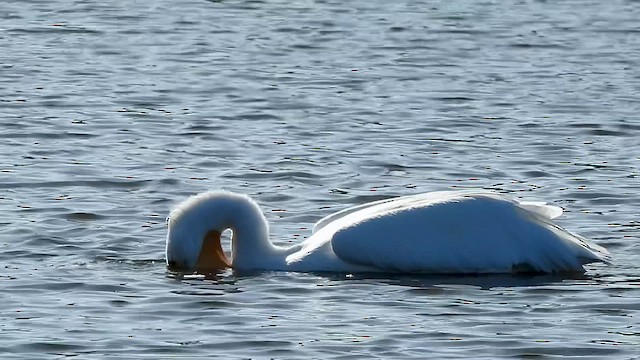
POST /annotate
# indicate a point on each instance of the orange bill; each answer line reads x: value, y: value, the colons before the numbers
x: 212, y: 257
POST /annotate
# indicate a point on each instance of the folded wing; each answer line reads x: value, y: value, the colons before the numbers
x: 460, y: 233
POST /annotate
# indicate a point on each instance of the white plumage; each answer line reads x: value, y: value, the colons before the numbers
x: 452, y: 232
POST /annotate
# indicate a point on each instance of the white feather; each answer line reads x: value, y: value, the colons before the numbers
x: 438, y: 232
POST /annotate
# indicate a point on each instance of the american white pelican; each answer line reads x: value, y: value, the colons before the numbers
x: 452, y: 232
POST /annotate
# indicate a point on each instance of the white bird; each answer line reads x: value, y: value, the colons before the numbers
x: 446, y: 232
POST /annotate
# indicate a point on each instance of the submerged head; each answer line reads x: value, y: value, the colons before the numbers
x: 193, y: 238
x: 210, y: 257
x: 195, y: 225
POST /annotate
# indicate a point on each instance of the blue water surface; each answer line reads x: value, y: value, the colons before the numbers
x: 112, y: 112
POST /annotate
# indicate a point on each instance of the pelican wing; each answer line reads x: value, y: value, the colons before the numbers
x: 457, y: 232
x: 342, y: 213
x: 336, y: 215
x: 541, y: 208
x: 390, y: 203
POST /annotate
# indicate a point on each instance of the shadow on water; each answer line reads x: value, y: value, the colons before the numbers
x: 482, y: 281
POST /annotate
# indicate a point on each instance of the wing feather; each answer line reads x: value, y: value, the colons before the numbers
x: 458, y: 233
x: 542, y: 209
x: 336, y: 215
x: 386, y: 205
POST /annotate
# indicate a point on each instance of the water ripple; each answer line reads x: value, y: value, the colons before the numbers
x: 114, y: 112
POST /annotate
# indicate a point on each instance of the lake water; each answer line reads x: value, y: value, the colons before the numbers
x: 112, y: 112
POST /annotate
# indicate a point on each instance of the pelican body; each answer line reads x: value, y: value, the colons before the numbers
x: 447, y: 232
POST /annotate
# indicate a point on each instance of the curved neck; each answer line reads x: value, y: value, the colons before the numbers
x: 251, y: 248
x: 213, y: 213
x: 250, y: 239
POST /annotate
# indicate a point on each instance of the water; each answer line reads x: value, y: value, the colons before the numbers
x: 113, y: 112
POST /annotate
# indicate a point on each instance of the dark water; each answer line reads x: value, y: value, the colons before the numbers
x: 111, y: 112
